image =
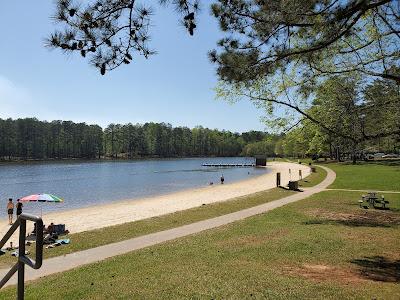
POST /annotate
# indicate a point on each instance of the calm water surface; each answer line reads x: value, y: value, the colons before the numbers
x: 88, y: 183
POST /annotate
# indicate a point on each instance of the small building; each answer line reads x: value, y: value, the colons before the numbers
x: 261, y: 161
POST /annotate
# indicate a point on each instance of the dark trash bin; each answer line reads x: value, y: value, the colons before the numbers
x: 293, y: 185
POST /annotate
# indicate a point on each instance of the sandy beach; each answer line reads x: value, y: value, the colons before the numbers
x: 129, y: 210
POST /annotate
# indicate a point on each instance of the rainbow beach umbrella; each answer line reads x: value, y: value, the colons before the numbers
x: 41, y: 198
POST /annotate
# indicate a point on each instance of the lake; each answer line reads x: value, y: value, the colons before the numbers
x: 85, y: 183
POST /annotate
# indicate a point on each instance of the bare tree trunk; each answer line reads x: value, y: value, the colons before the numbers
x: 354, y: 153
x: 338, y: 154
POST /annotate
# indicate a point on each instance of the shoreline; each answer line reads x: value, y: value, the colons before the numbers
x: 130, y: 210
x: 104, y: 159
x: 151, y: 195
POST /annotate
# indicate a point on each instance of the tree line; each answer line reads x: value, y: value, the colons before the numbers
x: 357, y: 121
x: 30, y: 138
x: 346, y: 120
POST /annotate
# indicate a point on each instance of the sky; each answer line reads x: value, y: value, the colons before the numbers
x: 175, y: 86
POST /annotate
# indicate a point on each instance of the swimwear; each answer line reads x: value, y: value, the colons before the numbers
x: 10, y: 211
x: 19, y: 209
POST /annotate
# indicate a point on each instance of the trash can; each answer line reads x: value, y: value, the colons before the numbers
x: 293, y: 185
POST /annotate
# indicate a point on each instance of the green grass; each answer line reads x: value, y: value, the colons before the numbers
x: 107, y: 235
x: 267, y: 256
x: 373, y: 175
x: 314, y: 178
x: 370, y: 176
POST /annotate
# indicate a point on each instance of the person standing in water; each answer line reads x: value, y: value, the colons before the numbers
x: 19, y: 208
x: 10, y: 211
x: 222, y: 179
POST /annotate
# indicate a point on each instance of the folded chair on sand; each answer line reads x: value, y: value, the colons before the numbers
x: 60, y: 229
x: 57, y: 229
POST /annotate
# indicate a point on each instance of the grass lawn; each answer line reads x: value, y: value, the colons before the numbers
x: 107, y: 235
x: 319, y: 247
x: 370, y: 176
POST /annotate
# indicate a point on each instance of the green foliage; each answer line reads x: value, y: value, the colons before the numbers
x: 348, y: 118
x: 381, y: 108
x: 30, y: 138
x: 33, y: 139
x: 313, y: 38
x: 300, y: 141
x: 106, y: 32
x: 317, y: 61
x: 265, y: 146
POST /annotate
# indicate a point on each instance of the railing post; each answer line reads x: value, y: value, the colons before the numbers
x: 22, y: 258
x: 21, y: 264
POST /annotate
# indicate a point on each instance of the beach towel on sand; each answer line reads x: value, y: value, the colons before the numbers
x: 58, y: 243
x: 63, y: 242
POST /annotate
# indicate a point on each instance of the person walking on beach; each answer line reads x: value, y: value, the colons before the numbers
x: 10, y: 211
x: 222, y: 179
x: 19, y: 208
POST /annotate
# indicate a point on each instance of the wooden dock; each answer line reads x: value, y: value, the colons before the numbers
x: 228, y: 165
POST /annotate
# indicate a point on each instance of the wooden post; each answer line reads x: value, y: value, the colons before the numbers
x: 278, y: 179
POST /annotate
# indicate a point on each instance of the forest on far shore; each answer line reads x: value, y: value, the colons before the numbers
x: 29, y: 138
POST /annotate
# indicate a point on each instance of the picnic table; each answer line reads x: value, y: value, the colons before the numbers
x: 374, y: 200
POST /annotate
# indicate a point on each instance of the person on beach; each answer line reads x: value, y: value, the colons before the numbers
x: 10, y: 211
x: 50, y: 228
x: 19, y: 208
x: 222, y: 179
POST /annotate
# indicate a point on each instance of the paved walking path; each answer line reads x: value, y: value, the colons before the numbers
x: 73, y: 260
x: 349, y: 190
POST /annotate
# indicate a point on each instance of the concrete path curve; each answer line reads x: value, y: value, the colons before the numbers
x: 73, y: 260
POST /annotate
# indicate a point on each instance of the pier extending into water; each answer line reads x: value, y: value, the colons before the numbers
x: 228, y: 165
x: 259, y: 161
